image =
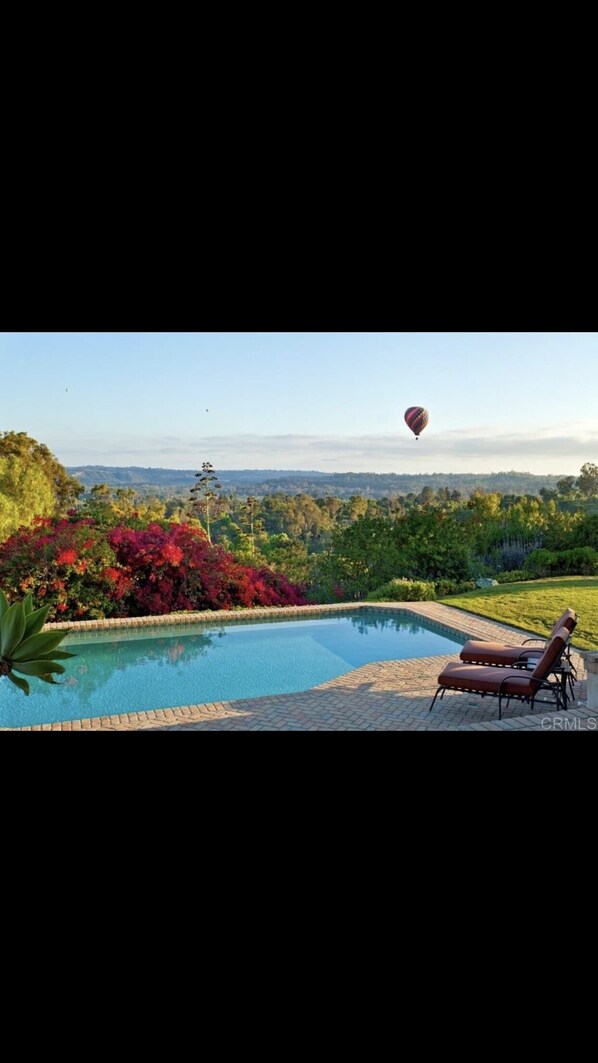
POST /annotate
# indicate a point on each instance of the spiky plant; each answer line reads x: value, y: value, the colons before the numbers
x: 22, y: 646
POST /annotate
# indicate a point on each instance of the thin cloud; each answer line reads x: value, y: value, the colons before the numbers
x: 547, y: 449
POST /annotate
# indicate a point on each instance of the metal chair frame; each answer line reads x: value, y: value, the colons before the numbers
x: 566, y: 670
x: 542, y: 684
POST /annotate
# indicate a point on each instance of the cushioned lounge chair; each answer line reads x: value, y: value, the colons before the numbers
x: 508, y: 656
x: 503, y: 655
x: 489, y: 681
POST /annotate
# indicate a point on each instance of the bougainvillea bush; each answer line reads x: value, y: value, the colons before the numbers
x: 173, y: 566
x: 66, y: 564
x: 85, y: 571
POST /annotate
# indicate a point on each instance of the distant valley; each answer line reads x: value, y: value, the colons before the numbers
x: 259, y: 482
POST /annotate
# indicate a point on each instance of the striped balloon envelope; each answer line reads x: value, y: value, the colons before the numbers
x: 416, y: 418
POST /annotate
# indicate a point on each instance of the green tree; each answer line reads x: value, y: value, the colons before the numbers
x: 331, y: 506
x: 33, y: 483
x: 355, y: 507
x: 434, y: 546
x: 290, y: 558
x: 565, y: 488
x: 558, y: 527
x: 299, y: 516
x: 362, y: 556
x: 100, y: 504
x: 109, y: 506
x: 175, y: 508
x: 585, y: 533
x: 587, y: 481
x: 392, y: 507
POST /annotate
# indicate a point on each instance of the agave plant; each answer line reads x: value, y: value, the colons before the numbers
x: 22, y: 646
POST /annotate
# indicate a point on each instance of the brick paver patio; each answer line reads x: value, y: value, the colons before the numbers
x: 385, y: 696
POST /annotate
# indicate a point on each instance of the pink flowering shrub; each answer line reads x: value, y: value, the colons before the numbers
x: 175, y: 567
x: 87, y: 571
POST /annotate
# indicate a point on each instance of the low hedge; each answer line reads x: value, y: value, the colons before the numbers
x: 404, y: 590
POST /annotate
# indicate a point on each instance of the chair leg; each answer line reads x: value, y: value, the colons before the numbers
x: 435, y: 696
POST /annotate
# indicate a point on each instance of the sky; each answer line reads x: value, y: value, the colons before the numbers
x: 329, y: 401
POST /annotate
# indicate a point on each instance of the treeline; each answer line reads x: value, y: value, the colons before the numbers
x: 138, y: 476
x: 338, y: 548
x: 115, y: 555
x: 117, y: 551
x: 260, y: 482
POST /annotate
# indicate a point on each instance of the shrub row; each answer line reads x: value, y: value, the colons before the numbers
x: 415, y: 590
x: 581, y: 561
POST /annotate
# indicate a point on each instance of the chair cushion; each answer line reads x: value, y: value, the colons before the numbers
x: 497, y: 653
x: 501, y: 653
x: 568, y: 620
x: 552, y: 654
x: 477, y: 678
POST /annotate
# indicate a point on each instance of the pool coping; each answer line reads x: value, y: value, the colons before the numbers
x: 389, y: 695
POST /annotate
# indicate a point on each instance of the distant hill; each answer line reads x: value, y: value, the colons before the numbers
x: 260, y: 482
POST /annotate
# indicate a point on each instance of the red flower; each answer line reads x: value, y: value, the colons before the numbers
x: 111, y: 574
x: 67, y: 557
x: 172, y: 553
x: 61, y: 607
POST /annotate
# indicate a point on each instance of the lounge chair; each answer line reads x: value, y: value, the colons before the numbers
x: 509, y: 656
x: 502, y: 655
x: 509, y: 682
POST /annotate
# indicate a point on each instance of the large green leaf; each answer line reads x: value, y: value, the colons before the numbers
x: 12, y: 627
x: 3, y: 604
x: 35, y: 620
x: 30, y: 649
x: 28, y: 603
x: 22, y: 684
x: 38, y: 668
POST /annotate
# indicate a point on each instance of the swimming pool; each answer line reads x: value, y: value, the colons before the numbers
x: 139, y: 669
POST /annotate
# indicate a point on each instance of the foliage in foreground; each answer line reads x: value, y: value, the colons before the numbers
x: 23, y: 647
x: 86, y: 571
x: 536, y: 606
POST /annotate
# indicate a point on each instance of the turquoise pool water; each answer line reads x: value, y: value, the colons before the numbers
x: 134, y: 670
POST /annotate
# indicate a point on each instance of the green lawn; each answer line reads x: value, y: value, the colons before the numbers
x: 536, y: 605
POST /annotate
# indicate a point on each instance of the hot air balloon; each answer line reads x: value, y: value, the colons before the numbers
x: 416, y: 418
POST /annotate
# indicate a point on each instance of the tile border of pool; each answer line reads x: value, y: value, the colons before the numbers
x: 388, y: 695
